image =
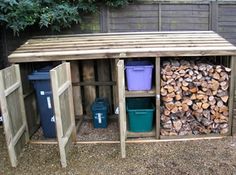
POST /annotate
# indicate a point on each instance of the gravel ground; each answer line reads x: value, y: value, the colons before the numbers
x: 192, y: 157
x: 88, y: 133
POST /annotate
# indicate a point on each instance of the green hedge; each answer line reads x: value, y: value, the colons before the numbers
x: 53, y: 14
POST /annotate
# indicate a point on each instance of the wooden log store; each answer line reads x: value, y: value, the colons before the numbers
x: 193, y: 86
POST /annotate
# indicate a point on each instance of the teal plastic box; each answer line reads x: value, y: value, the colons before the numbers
x: 140, y: 114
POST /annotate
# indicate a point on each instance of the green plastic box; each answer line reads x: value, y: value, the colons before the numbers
x: 140, y: 114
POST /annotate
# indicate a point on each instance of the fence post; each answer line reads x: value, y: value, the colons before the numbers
x: 213, y: 16
x: 103, y: 20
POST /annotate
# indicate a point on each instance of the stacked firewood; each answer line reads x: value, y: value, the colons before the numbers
x: 194, y: 98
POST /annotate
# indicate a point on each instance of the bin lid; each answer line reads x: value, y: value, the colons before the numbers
x: 131, y: 64
x: 100, y: 104
x: 39, y: 76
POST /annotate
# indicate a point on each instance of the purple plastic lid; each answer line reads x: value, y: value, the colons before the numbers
x: 138, y: 63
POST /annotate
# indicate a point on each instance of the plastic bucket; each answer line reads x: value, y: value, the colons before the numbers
x: 139, y: 75
x: 99, y: 111
x: 140, y: 114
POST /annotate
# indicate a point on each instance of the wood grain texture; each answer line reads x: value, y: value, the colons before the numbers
x: 13, y: 112
x: 158, y: 96
x: 64, y: 109
x: 103, y: 72
x: 122, y: 106
x: 75, y: 76
x: 89, y: 91
x: 123, y: 45
x: 232, y: 99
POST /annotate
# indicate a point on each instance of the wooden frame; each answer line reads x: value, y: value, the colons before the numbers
x: 14, y: 116
x: 63, y: 108
x: 158, y: 96
x: 122, y: 108
x: 232, y: 93
x: 117, y: 47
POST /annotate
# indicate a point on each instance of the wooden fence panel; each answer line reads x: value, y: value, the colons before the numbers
x: 64, y: 109
x: 184, y: 17
x: 227, y: 21
x: 13, y: 112
x: 134, y: 18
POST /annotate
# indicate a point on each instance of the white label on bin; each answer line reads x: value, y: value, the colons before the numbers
x: 49, y: 102
x: 53, y: 119
x: 117, y: 110
x: 1, y: 119
x: 99, y: 118
x: 42, y: 93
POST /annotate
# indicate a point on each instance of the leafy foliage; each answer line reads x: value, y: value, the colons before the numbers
x: 53, y: 14
x: 18, y: 15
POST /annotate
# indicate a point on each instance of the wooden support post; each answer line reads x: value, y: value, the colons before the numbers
x: 159, y: 17
x: 103, y: 72
x: 114, y: 78
x: 75, y: 76
x: 213, y: 24
x: 158, y: 85
x: 89, y: 91
x: 122, y: 111
x: 232, y: 119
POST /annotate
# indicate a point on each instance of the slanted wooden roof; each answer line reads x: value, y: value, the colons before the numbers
x: 122, y: 45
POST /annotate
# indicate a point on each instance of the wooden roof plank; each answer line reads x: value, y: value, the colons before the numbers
x: 122, y: 45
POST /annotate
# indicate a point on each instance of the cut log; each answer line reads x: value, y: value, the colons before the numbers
x: 169, y: 106
x: 220, y: 104
x: 185, y: 88
x: 177, y: 125
x: 224, y: 98
x: 205, y: 105
x: 174, y: 110
x: 185, y: 107
x: 163, y: 92
x: 178, y: 97
x: 216, y: 76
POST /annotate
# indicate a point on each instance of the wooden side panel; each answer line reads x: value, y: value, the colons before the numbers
x: 227, y: 21
x: 184, y: 17
x: 89, y: 91
x: 103, y: 72
x: 64, y: 109
x: 122, y: 108
x: 143, y: 17
x: 13, y: 112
